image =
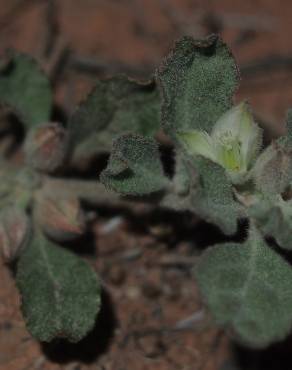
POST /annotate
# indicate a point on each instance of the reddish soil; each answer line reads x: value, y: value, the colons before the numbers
x: 145, y: 262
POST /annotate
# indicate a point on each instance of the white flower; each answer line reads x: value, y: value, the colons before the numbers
x: 233, y: 143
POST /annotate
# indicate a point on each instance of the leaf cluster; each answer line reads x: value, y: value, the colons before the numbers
x: 222, y: 173
x: 248, y: 286
x: 60, y: 293
x: 42, y: 208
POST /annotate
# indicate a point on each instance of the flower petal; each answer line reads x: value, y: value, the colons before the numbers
x: 238, y: 125
x: 197, y: 143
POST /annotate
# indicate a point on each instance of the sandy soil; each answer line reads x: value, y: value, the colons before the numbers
x: 145, y: 263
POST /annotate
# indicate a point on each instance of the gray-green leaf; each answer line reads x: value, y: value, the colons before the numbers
x: 214, y: 200
x: 114, y: 107
x: 286, y: 140
x: 134, y: 167
x: 60, y: 292
x: 248, y: 288
x: 184, y: 186
x: 272, y: 172
x: 197, y: 80
x: 274, y: 218
x: 26, y: 89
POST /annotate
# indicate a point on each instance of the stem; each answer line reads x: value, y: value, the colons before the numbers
x: 95, y: 193
x: 90, y: 191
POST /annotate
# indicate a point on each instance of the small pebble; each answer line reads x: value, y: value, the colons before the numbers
x: 133, y: 292
x: 111, y: 225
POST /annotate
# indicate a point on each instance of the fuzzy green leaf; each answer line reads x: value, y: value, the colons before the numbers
x: 26, y: 89
x: 60, y: 292
x: 272, y: 172
x: 183, y: 176
x: 274, y: 218
x: 184, y: 186
x: 114, y: 107
x: 248, y: 288
x: 134, y: 167
x: 214, y: 199
x: 286, y: 140
x: 197, y: 80
x: 202, y: 186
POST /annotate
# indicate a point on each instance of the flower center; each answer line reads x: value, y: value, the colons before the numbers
x: 229, y: 151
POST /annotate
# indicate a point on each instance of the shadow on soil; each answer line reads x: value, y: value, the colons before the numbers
x: 93, y: 346
x: 276, y: 357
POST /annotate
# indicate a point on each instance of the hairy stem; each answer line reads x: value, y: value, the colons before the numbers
x: 92, y: 192
x: 95, y: 193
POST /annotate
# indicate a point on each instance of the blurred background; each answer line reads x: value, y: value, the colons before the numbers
x: 76, y: 43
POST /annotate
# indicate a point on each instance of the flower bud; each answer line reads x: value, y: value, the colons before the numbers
x: 272, y: 172
x: 15, y: 230
x: 46, y: 147
x: 61, y: 219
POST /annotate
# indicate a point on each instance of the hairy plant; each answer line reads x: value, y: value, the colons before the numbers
x: 223, y: 173
x: 41, y: 206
